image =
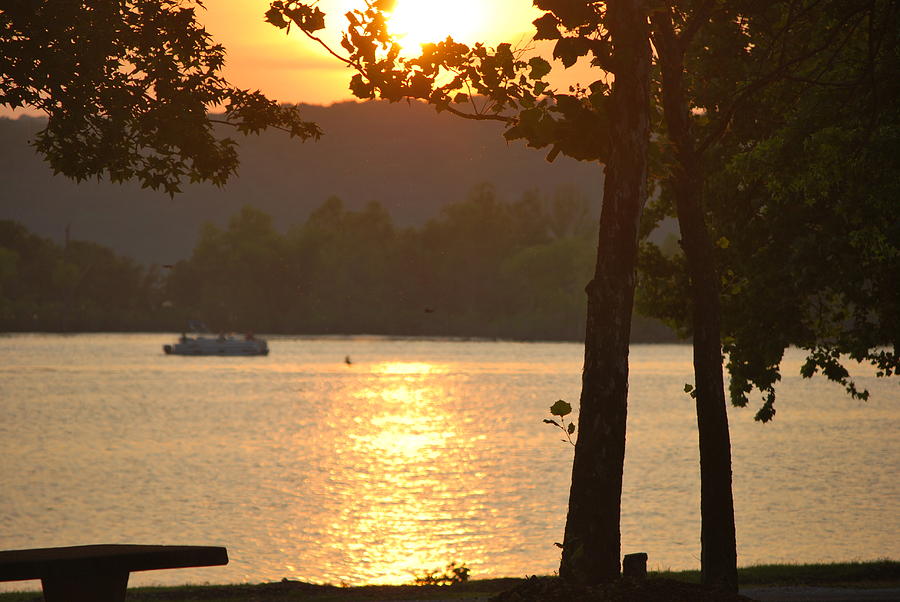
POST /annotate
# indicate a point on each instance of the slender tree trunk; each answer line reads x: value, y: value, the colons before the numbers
x: 592, y: 540
x: 718, y: 556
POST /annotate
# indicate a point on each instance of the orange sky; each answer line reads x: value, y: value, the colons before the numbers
x: 291, y: 68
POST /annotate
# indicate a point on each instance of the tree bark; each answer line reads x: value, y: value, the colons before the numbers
x: 718, y: 556
x: 592, y: 543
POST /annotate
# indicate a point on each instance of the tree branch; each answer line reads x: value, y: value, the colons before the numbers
x: 328, y: 49
x: 479, y: 116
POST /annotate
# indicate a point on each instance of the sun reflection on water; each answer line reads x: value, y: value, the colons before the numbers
x: 418, y: 454
x: 403, y: 444
x: 412, y: 368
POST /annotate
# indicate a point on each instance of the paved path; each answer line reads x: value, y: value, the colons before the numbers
x: 819, y: 594
x: 764, y: 594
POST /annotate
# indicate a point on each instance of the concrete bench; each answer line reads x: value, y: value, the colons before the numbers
x: 99, y: 573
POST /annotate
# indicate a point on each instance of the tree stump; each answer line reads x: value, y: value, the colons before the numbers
x: 635, y: 565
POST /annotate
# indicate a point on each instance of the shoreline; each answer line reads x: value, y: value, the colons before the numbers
x: 870, y: 580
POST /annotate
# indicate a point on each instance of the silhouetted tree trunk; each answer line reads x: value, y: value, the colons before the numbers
x: 592, y: 538
x: 718, y: 557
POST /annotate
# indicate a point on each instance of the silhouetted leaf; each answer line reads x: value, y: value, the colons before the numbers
x: 274, y: 16
x: 539, y: 67
x: 561, y: 408
x: 571, y: 13
x: 808, y: 368
x: 547, y: 28
x: 569, y: 50
x: 360, y: 87
x: 308, y: 18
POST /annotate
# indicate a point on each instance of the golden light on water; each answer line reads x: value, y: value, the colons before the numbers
x: 418, y: 454
x: 401, y: 516
x: 407, y: 426
x: 416, y: 368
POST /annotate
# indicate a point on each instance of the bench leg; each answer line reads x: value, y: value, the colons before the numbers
x: 88, y: 587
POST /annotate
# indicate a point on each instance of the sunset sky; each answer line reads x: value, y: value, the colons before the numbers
x: 291, y: 68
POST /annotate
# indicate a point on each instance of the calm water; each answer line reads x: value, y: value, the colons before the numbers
x: 420, y: 453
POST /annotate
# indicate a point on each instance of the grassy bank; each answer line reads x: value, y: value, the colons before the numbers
x: 879, y: 573
x: 882, y: 573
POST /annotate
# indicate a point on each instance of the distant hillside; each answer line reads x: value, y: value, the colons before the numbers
x: 407, y: 157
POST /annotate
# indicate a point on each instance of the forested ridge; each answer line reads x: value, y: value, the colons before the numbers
x: 484, y: 267
x: 409, y: 159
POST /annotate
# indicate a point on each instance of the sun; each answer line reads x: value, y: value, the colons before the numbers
x: 417, y: 22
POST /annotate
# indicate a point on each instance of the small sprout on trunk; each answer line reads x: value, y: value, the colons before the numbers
x: 561, y: 409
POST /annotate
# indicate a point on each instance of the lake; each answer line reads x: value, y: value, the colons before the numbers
x: 420, y: 453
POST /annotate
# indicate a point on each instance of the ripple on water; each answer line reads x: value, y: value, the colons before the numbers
x: 420, y: 453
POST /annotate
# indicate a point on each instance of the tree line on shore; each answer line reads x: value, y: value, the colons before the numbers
x: 484, y: 267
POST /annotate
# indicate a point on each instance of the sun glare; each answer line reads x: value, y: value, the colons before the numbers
x: 417, y: 22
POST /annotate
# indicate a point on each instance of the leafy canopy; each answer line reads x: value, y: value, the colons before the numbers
x: 128, y: 86
x: 797, y: 138
x: 478, y: 82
